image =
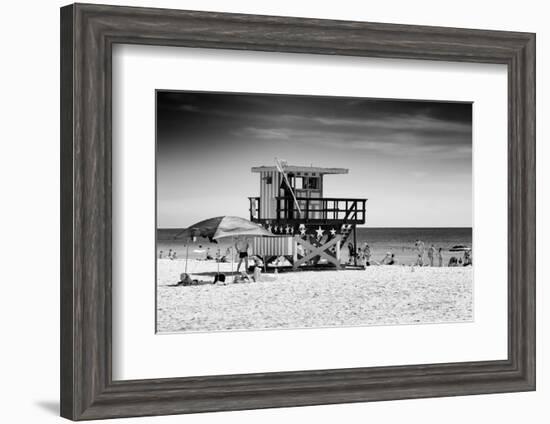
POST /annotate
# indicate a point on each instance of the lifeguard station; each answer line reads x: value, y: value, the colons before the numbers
x: 291, y: 204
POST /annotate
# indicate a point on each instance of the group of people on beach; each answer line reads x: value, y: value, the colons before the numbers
x: 466, y: 260
x: 219, y: 257
x: 363, y: 256
x: 432, y: 252
x: 172, y: 254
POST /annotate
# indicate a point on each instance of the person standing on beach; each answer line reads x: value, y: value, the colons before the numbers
x: 170, y: 254
x: 242, y: 249
x: 431, y: 252
x: 440, y: 256
x: 160, y: 255
x: 467, y: 257
x: 367, y: 254
x: 420, y: 249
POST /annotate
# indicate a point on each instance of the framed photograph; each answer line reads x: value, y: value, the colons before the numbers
x: 262, y: 212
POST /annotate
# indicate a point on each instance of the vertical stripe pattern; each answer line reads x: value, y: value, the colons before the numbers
x: 273, y: 246
x: 268, y: 194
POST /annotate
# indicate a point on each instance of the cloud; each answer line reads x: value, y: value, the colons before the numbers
x: 390, y: 137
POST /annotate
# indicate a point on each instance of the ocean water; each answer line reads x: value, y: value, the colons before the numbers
x: 399, y: 241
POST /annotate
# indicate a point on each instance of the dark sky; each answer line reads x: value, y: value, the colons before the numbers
x: 411, y: 159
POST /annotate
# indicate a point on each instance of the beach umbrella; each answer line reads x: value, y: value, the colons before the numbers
x: 221, y: 227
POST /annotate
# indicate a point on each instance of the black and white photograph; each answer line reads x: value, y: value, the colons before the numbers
x: 287, y: 212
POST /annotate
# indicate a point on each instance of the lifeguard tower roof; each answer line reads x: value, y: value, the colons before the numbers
x: 300, y: 169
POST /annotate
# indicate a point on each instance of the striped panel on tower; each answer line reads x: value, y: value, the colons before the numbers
x: 273, y: 246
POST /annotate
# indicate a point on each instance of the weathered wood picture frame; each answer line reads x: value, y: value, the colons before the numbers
x: 88, y: 33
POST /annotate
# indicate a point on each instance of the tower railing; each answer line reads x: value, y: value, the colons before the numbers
x: 313, y: 210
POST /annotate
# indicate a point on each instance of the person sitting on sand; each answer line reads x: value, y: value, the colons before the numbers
x: 389, y: 259
x: 242, y: 247
x: 258, y: 261
x: 241, y: 278
x: 440, y: 256
x: 174, y: 255
x: 258, y: 265
x: 453, y: 261
x: 219, y: 278
x: 186, y: 280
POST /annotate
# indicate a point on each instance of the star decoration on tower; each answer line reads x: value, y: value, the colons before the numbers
x: 303, y: 231
x: 287, y: 229
x: 269, y: 228
x: 319, y: 232
x: 276, y: 229
x: 332, y: 232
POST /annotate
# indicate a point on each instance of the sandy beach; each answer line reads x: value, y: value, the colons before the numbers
x: 379, y: 295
